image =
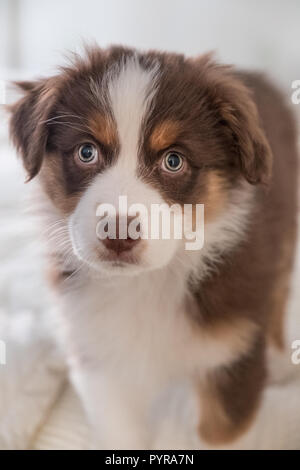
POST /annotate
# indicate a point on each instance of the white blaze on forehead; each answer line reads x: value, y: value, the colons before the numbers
x: 131, y: 90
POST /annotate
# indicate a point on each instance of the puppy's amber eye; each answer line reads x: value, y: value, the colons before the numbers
x: 88, y: 153
x: 172, y: 162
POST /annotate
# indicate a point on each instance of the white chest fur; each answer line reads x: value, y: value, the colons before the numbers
x: 129, y: 345
x: 135, y: 352
x: 140, y: 328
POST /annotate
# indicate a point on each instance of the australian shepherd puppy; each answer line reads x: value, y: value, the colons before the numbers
x: 166, y: 345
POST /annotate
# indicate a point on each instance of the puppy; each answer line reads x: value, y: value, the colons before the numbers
x: 166, y: 345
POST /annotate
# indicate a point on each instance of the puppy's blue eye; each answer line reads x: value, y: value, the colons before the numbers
x: 88, y: 153
x: 173, y: 162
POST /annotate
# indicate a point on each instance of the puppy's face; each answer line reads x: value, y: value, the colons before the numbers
x: 148, y: 129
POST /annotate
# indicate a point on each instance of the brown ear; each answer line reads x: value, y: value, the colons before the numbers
x: 28, y: 128
x: 249, y: 146
x: 249, y: 150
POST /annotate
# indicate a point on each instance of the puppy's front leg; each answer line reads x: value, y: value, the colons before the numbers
x: 113, y: 411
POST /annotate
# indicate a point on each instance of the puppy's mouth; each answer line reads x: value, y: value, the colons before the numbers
x: 118, y: 264
x: 121, y: 259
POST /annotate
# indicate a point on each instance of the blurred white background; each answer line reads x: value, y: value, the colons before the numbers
x: 36, y: 35
x: 252, y: 33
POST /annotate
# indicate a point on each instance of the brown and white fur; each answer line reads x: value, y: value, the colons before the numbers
x: 166, y: 347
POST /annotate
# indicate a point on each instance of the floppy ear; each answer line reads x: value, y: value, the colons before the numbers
x: 28, y: 129
x: 249, y: 146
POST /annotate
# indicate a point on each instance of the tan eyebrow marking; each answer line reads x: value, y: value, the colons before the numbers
x: 104, y: 129
x: 164, y: 135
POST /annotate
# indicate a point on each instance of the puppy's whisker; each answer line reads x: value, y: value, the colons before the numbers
x: 55, y: 226
x: 74, y: 273
x: 62, y: 116
x: 69, y: 125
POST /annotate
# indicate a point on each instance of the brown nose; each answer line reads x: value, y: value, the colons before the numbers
x: 117, y: 244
